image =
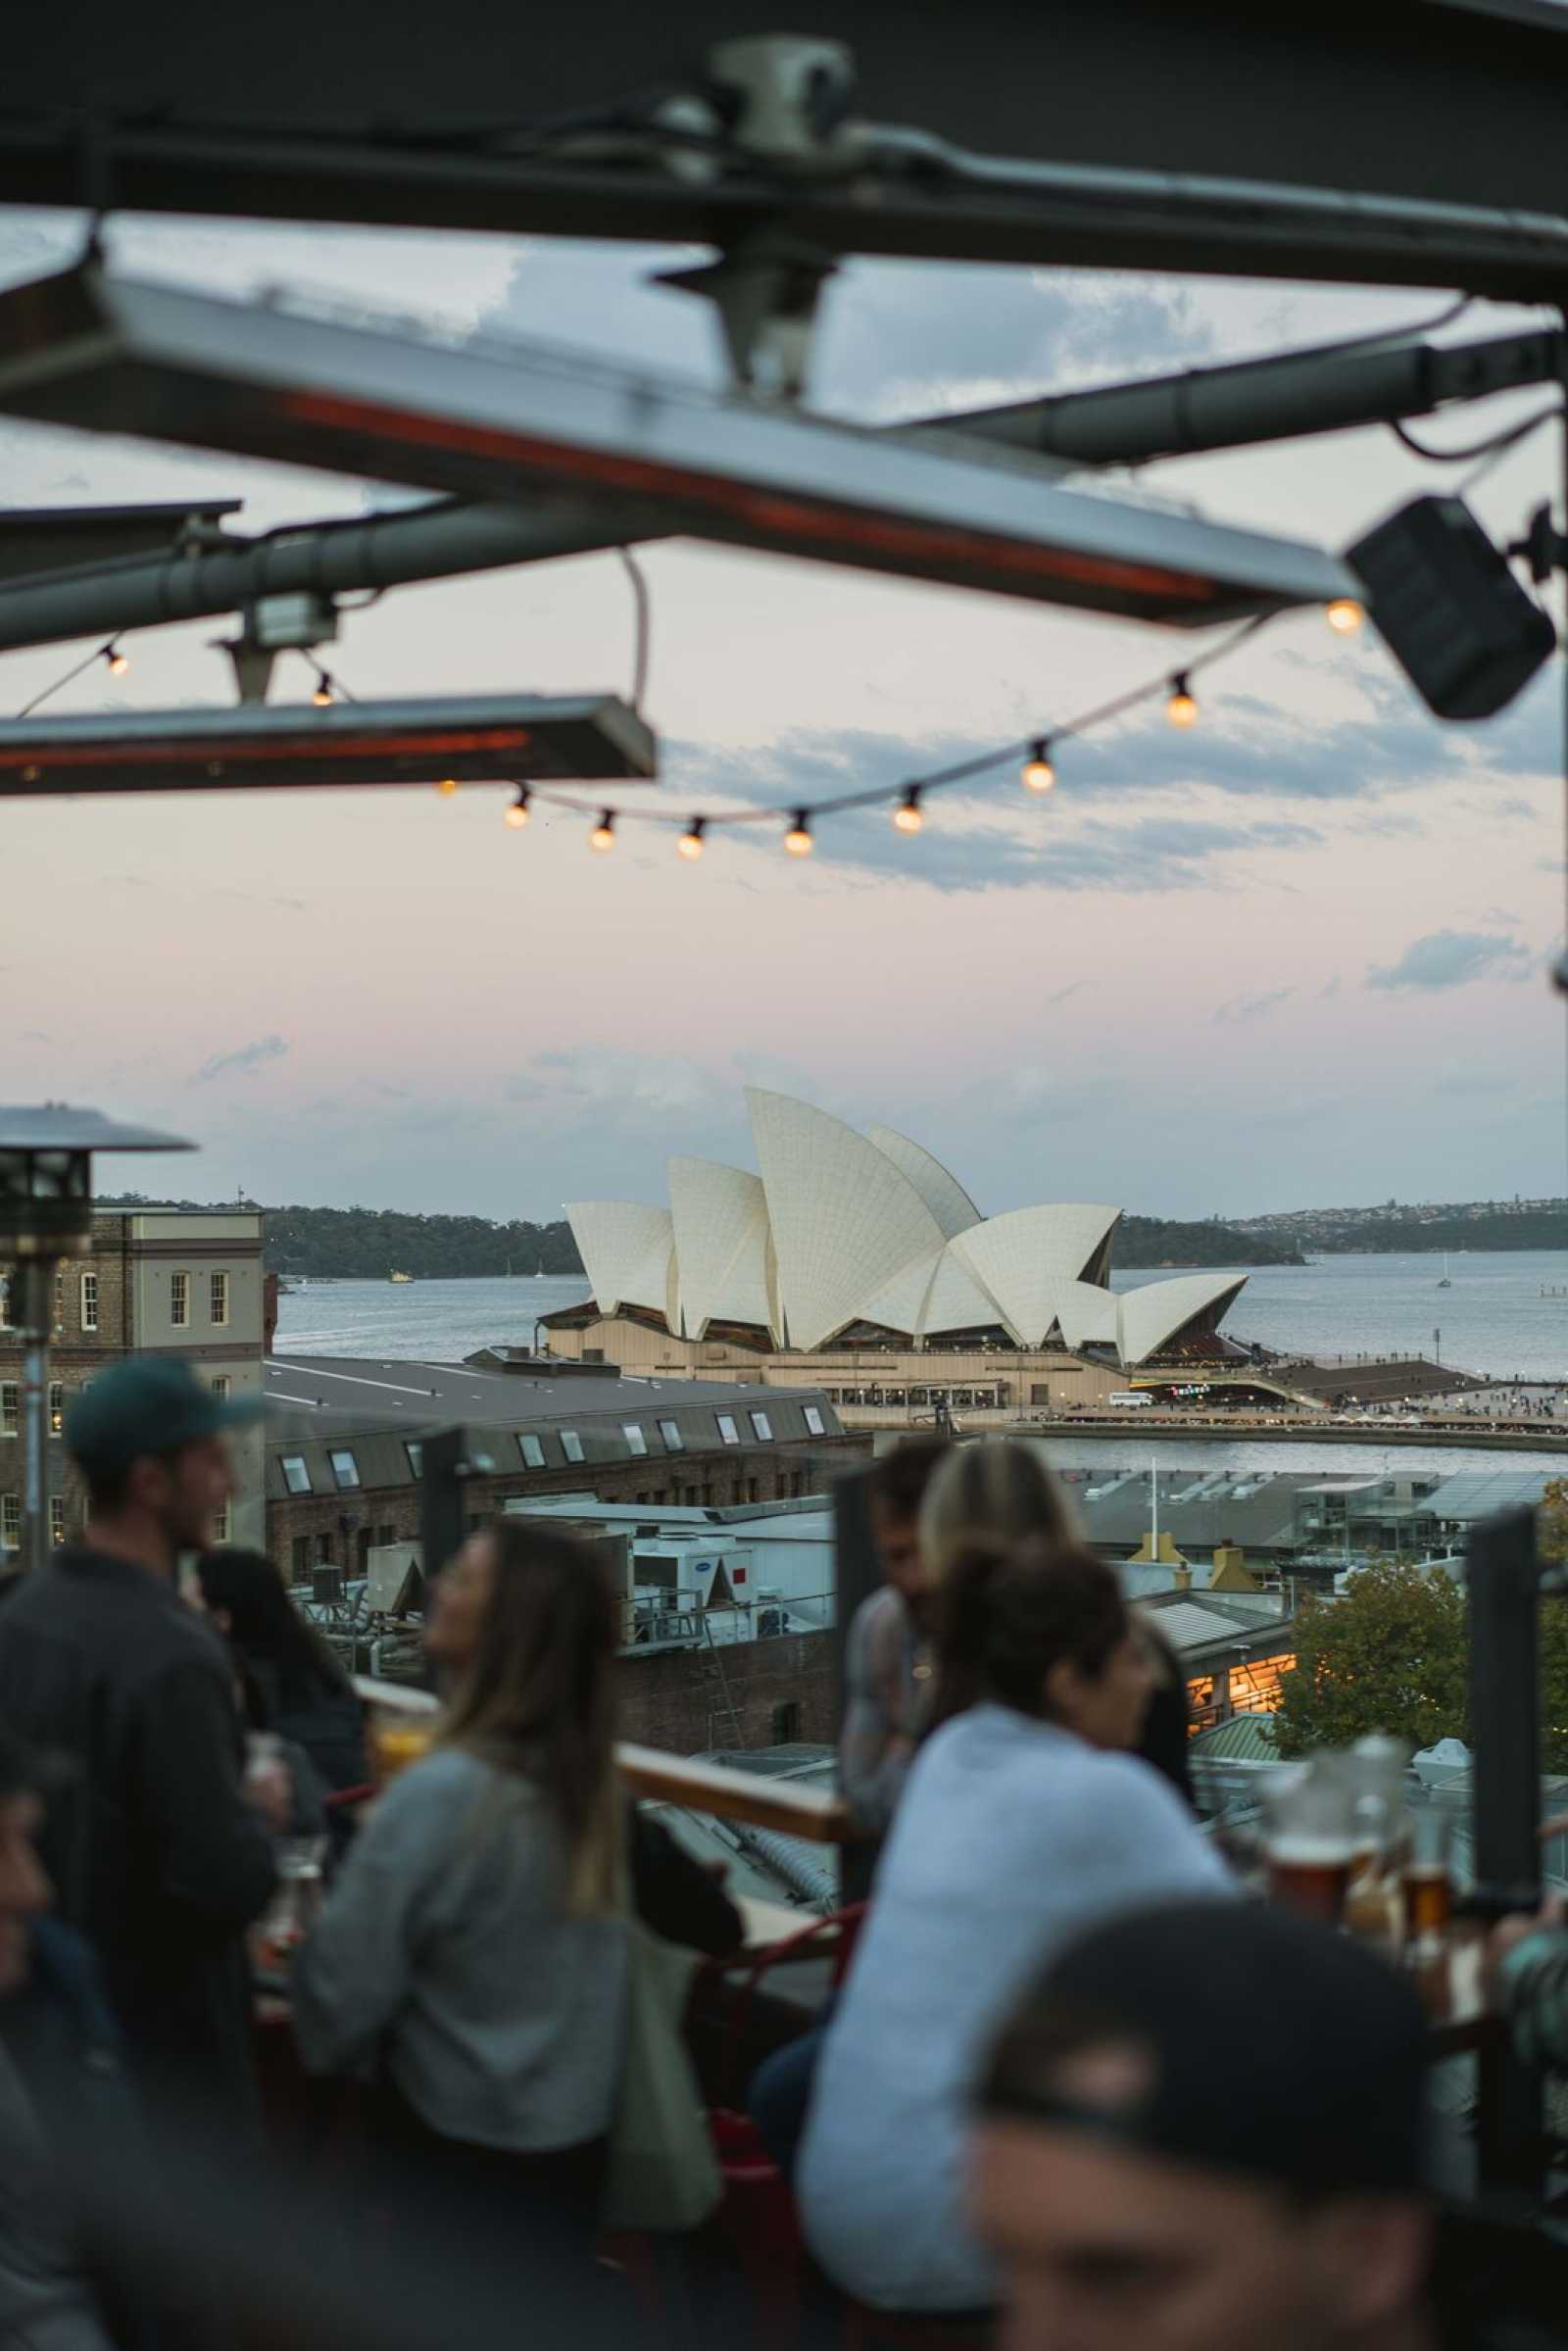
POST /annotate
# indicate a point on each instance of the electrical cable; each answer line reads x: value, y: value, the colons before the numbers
x: 108, y: 651
x: 643, y: 611
x: 1496, y: 444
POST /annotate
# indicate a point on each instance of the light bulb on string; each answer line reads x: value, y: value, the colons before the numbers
x: 1182, y: 707
x: 119, y: 663
x: 690, y: 844
x: 518, y: 815
x: 1037, y: 773
x: 1343, y: 616
x: 602, y: 836
x: 323, y: 696
x: 909, y: 815
x: 448, y: 787
x: 798, y: 840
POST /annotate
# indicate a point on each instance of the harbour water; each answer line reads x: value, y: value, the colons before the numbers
x: 1493, y: 1319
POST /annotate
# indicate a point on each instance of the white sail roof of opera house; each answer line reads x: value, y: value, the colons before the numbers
x: 843, y: 1230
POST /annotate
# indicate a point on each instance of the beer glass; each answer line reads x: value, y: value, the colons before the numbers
x: 1312, y: 1839
x: 398, y: 1739
x: 1425, y: 1879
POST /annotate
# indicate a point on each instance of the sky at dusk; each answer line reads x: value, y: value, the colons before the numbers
x: 1296, y: 957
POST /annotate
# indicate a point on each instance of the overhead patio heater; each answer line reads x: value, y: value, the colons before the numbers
x: 496, y: 738
x: 300, y: 384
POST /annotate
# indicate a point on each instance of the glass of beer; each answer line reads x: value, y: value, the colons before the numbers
x: 398, y: 1739
x: 1311, y: 1841
x: 1424, y: 1878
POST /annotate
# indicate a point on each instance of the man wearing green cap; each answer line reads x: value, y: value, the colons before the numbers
x: 160, y: 1854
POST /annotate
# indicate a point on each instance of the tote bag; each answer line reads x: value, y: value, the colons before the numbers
x: 663, y: 2173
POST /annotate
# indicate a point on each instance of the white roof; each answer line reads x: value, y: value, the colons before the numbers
x: 845, y: 1218
x: 941, y: 1190
x: 627, y: 1252
x: 843, y: 1228
x: 1150, y: 1317
x: 722, y: 1244
x: 1028, y: 1258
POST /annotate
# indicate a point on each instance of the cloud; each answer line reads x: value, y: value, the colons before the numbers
x: 246, y: 1060
x: 1253, y: 1007
x: 1452, y: 960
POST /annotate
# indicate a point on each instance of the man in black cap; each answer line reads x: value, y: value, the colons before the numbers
x: 160, y: 1854
x: 1202, y: 2132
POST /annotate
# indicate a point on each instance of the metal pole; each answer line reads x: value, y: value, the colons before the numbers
x: 32, y: 1292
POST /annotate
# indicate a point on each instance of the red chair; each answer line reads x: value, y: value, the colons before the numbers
x: 756, y: 2218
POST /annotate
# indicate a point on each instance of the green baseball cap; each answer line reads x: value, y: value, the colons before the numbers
x: 147, y: 1404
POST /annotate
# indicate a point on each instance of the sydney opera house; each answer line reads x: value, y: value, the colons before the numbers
x: 852, y: 1247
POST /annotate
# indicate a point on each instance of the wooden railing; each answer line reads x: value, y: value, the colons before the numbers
x: 812, y: 1813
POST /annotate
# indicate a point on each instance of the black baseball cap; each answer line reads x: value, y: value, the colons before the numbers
x: 1277, y: 2049
x: 147, y: 1404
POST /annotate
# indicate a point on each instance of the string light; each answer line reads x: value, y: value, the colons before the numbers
x: 119, y: 663
x: 690, y: 844
x: 907, y: 815
x: 1182, y: 707
x: 448, y: 787
x: 798, y: 840
x: 1037, y: 773
x: 1343, y: 616
x: 602, y: 836
x: 323, y: 696
x: 518, y: 815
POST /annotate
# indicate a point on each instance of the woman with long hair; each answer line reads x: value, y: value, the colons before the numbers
x: 1000, y: 1491
x: 474, y: 1946
x: 1022, y: 1825
x: 292, y: 1681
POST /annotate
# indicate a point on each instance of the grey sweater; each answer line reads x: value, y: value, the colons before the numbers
x: 446, y: 1943
x: 1012, y: 1838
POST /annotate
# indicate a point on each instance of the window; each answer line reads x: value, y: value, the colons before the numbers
x: 300, y: 1559
x: 726, y: 1428
x: 89, y: 1301
x: 57, y: 1406
x: 532, y: 1452
x: 762, y: 1426
x: 217, y: 1285
x: 296, y: 1473
x: 5, y: 1301
x: 572, y: 1445
x: 636, y: 1442
x: 222, y: 1384
x: 345, y: 1469
x: 221, y: 1525
x: 814, y: 1421
x: 8, y: 1407
x: 323, y: 1548
x: 674, y: 1442
x: 179, y: 1301
x: 56, y: 1518
x: 416, y: 1452
x: 10, y: 1522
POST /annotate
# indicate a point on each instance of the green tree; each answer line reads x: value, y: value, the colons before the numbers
x: 1389, y: 1656
x: 1393, y: 1654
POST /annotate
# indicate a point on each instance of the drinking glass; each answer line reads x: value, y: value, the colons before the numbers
x: 1312, y: 1839
x: 1426, y: 1879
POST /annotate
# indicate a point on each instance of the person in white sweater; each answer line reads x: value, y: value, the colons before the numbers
x: 1021, y: 1826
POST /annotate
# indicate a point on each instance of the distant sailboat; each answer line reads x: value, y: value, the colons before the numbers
x: 1445, y: 1284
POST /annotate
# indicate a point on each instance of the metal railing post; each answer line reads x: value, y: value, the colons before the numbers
x: 443, y: 1469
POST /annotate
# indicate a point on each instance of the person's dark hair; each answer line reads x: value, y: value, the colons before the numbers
x: 896, y: 1483
x: 265, y: 1628
x: 106, y: 1492
x: 540, y: 1697
x: 1004, y: 1617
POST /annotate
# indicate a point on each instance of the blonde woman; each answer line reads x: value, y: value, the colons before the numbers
x: 1001, y: 1491
x: 474, y: 1951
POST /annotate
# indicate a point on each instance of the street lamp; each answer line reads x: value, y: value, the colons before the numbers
x: 46, y: 1215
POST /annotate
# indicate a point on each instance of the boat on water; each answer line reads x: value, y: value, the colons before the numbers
x: 394, y: 1276
x: 1445, y: 1284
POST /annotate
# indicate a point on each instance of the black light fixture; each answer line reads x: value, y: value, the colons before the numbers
x: 1467, y: 635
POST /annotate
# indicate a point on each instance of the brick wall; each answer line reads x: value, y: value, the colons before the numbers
x: 676, y: 1699
x: 391, y: 1513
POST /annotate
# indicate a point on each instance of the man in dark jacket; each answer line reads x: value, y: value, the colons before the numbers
x: 159, y: 1854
